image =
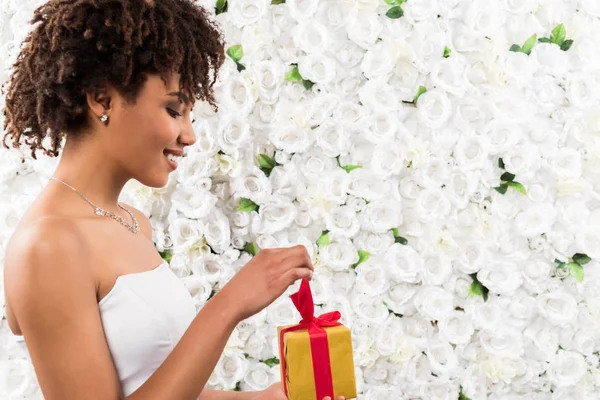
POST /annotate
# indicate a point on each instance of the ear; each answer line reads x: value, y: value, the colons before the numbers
x: 99, y: 101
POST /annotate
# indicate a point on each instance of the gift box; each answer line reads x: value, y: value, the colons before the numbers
x: 316, y: 354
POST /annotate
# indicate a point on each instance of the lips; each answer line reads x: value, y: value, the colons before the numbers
x: 172, y: 157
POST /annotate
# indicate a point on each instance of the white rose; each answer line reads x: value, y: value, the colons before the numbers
x: 535, y: 274
x: 588, y: 239
x: 433, y: 108
x: 382, y: 127
x: 275, y: 215
x: 566, y: 368
x: 185, y: 232
x: 231, y: 368
x: 445, y: 390
x: 431, y: 205
x: 565, y: 163
x: 535, y: 220
x: 365, y: 30
x: 339, y: 255
x: 332, y: 138
x: 498, y: 369
x: 522, y: 159
x: 259, y: 377
x: 471, y: 151
x: 317, y: 68
x: 380, y: 216
x: 311, y: 37
x: 342, y: 221
x: 192, y: 202
x: 371, y: 277
x: 253, y: 185
x: 457, y: 328
x: 302, y: 9
x: 436, y: 269
x: 449, y: 75
x: 434, y: 303
x: 581, y: 90
x: 374, y: 243
x: 502, y: 343
x: 200, y: 289
x: 379, y: 60
x: 460, y: 186
x: 321, y: 107
x: 267, y: 78
x: 405, y: 78
x: 584, y: 342
x: 217, y: 231
x: 501, y: 277
x: 247, y: 12
x: 502, y: 135
x: 519, y: 67
x: 370, y: 309
x: 559, y: 308
x: 406, y: 265
x: 378, y: 95
x: 485, y: 316
x: 442, y: 358
x: 332, y: 187
x: 551, y: 58
x: 290, y: 138
x: 398, y: 298
x: 211, y: 267
x: 388, y: 159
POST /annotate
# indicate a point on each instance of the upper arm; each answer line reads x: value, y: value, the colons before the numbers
x: 144, y: 222
x: 53, y: 297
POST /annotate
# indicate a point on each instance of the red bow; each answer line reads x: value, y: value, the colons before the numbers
x: 319, y: 346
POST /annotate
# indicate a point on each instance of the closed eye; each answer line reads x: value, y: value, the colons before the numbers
x: 173, y: 113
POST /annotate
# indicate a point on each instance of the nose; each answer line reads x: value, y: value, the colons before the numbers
x: 187, y: 137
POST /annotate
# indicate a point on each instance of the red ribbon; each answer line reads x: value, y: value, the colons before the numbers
x: 319, y: 346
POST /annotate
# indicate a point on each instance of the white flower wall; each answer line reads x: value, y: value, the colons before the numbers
x: 440, y: 162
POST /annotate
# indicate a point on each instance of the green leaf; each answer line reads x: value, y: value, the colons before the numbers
x: 529, y: 43
x: 166, y: 255
x: 422, y: 89
x: 277, y: 1
x: 293, y: 75
x: 395, y: 232
x: 501, y: 163
x: 266, y: 162
x: 323, y: 240
x: 447, y: 52
x: 566, y: 45
x: 349, y: 168
x: 576, y: 271
x: 394, y: 2
x: 558, y: 35
x: 502, y: 188
x: 240, y: 67
x: 544, y: 40
x: 251, y: 248
x: 221, y: 6
x: 518, y: 187
x: 271, y: 362
x: 507, y: 177
x: 461, y: 396
x: 581, y: 259
x: 395, y: 12
x: 401, y: 240
x: 235, y: 52
x: 515, y: 48
x: 362, y: 257
x: 307, y: 84
x: 247, y: 205
x: 560, y: 264
x: 477, y: 288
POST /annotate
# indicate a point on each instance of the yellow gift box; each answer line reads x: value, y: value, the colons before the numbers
x: 316, y: 354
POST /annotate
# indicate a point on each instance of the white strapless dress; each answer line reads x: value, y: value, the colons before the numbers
x: 144, y: 316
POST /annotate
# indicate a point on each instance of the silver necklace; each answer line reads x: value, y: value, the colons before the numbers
x: 105, y: 213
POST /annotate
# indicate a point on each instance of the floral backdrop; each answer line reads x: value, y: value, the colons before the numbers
x: 440, y: 159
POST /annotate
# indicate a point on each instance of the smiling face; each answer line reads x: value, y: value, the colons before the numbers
x: 140, y: 134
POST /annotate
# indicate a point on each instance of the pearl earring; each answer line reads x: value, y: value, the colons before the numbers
x: 104, y: 118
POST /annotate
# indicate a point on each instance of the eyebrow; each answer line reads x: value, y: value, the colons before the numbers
x: 181, y: 96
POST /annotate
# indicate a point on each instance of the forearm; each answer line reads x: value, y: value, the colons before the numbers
x: 226, y: 395
x: 184, y: 373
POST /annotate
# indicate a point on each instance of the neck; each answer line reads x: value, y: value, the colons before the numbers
x: 92, y: 171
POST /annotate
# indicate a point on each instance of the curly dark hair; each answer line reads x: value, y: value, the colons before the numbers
x: 81, y: 45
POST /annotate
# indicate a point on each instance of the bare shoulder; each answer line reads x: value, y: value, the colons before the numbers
x: 47, y: 249
x: 52, y: 295
x: 143, y: 220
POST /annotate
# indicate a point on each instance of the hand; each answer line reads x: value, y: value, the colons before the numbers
x: 274, y: 392
x: 266, y: 277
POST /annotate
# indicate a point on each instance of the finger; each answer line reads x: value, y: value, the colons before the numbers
x: 291, y: 276
x: 296, y: 261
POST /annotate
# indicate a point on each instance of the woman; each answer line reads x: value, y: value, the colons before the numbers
x: 118, y: 79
